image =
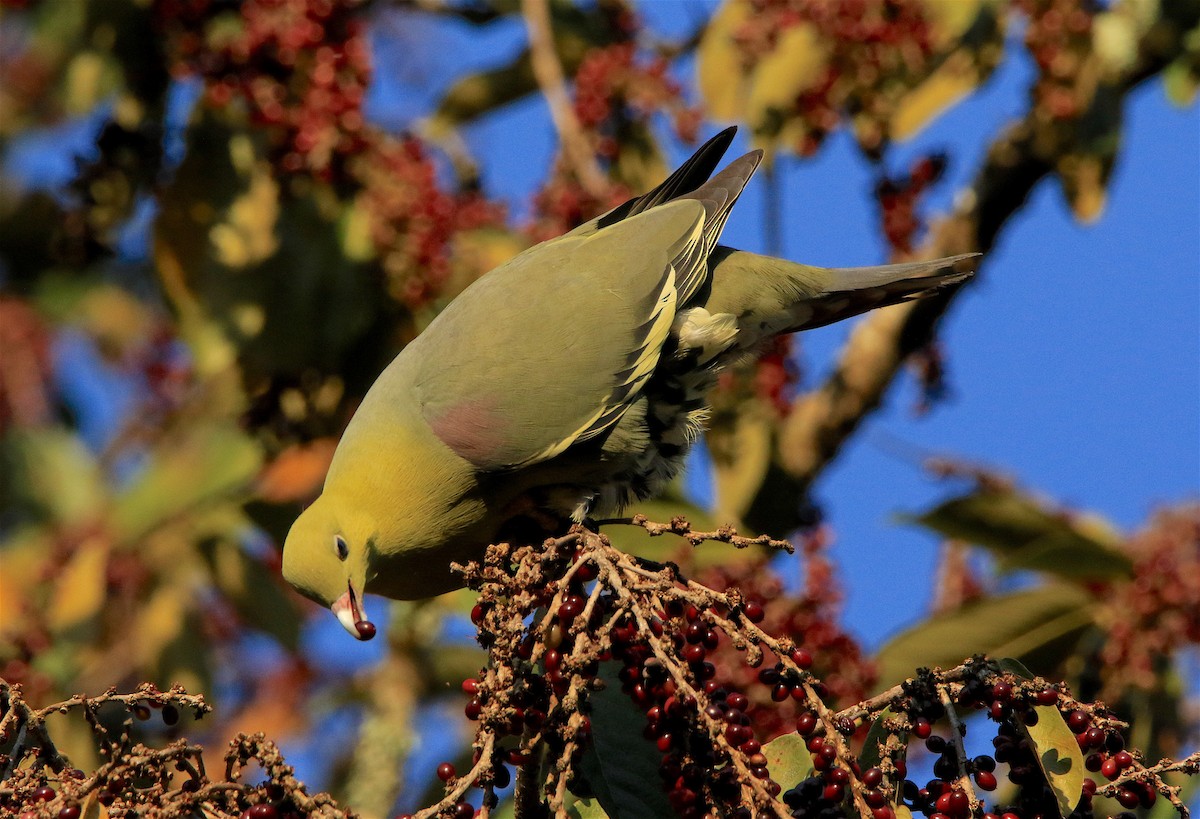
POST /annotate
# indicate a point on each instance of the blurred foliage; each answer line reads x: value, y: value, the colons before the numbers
x: 165, y: 409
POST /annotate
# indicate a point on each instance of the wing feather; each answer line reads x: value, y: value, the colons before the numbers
x: 553, y: 347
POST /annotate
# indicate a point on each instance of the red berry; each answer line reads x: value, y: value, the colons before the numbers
x: 1047, y: 696
x: 806, y: 723
x: 1123, y: 759
x: 872, y: 777
x: 754, y: 612
x: 834, y: 792
x: 802, y: 658
x: 1128, y: 798
x: 986, y: 780
x: 1109, y: 770
x: 470, y: 686
x: 44, y: 794
x: 70, y: 812
x: 922, y: 728
x: 1078, y: 721
x: 446, y: 772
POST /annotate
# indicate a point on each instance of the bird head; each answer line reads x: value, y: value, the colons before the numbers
x: 326, y: 558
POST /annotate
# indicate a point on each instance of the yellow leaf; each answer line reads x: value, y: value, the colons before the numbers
x: 115, y: 319
x: 354, y: 229
x: 1114, y: 42
x: 1058, y: 756
x: 51, y: 469
x: 950, y: 83
x: 89, y: 78
x: 1180, y: 83
x: 79, y: 591
x: 1083, y: 180
x: 91, y: 807
x: 720, y: 73
x: 248, y: 236
x: 949, y: 19
x: 159, y: 623
x: 22, y: 557
x: 795, y: 65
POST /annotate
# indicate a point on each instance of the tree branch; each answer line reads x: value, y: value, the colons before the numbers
x: 812, y: 434
x: 549, y: 73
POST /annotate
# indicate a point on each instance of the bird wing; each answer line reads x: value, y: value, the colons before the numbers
x: 686, y: 178
x: 551, y: 348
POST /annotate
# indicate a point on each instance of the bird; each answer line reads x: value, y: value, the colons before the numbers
x: 567, y: 382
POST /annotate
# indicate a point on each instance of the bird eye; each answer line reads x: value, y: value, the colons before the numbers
x: 339, y: 543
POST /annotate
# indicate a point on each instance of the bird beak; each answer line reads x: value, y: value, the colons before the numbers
x: 348, y: 613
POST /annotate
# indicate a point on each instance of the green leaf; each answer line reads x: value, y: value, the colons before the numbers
x: 1024, y: 534
x: 586, y: 809
x: 208, y: 461
x: 788, y: 760
x: 877, y: 734
x: 1058, y: 756
x: 1014, y: 667
x: 255, y: 592
x: 620, y: 765
x: 51, y: 473
x: 1035, y: 626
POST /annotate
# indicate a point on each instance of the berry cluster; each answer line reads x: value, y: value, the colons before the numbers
x: 562, y: 203
x: 414, y: 220
x: 299, y: 66
x: 877, y: 51
x: 811, y: 621
x: 615, y: 84
x: 1158, y: 614
x: 898, y: 199
x: 776, y: 374
x: 1059, y: 37
x: 134, y: 779
x: 657, y: 629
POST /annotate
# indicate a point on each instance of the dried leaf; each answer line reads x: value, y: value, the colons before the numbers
x: 297, y: 473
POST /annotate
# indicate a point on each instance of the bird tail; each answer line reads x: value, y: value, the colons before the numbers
x: 848, y: 291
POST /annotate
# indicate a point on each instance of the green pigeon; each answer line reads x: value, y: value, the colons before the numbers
x: 568, y: 382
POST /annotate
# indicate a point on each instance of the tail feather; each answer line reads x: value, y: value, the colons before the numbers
x: 854, y: 290
x: 720, y: 194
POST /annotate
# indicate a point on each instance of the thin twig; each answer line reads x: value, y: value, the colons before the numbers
x: 548, y: 70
